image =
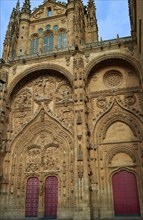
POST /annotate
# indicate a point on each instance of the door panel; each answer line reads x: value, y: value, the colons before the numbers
x: 32, y: 197
x: 51, y: 197
x: 125, y: 194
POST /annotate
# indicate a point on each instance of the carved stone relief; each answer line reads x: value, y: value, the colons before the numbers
x: 43, y: 138
x: 52, y: 158
x: 44, y: 88
x: 64, y: 94
x: 129, y: 99
x: 113, y: 78
x: 3, y: 76
x: 33, y: 160
x: 52, y: 90
x: 23, y: 100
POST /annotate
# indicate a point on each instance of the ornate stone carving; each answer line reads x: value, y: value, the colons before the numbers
x: 80, y: 169
x: 33, y: 159
x: 64, y: 94
x: 129, y: 99
x: 78, y: 61
x: 52, y: 158
x: 14, y: 69
x: 23, y: 100
x: 44, y: 88
x: 38, y: 14
x: 58, y: 10
x: 43, y: 138
x: 3, y: 76
x: 101, y: 102
x: 112, y: 78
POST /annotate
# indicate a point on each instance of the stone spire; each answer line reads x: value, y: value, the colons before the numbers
x: 91, y: 9
x: 26, y: 7
x: 92, y: 27
x: 18, y: 6
x: 12, y: 33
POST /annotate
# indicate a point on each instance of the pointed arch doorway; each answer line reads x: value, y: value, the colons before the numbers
x: 51, y: 197
x: 125, y: 194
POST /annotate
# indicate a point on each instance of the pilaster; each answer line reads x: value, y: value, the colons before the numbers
x: 81, y: 180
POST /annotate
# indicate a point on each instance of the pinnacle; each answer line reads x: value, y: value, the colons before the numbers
x: 26, y: 7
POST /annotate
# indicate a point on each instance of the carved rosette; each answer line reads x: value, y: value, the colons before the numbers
x: 112, y: 78
x: 101, y: 102
x: 129, y: 99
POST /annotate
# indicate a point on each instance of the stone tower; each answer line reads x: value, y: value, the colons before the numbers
x: 71, y: 115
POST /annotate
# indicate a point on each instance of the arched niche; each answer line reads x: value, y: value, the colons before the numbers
x: 117, y: 125
x: 29, y: 72
x: 113, y: 59
x: 120, y: 156
x: 119, y: 131
x: 112, y: 76
x: 121, y: 159
x: 42, y: 148
x: 46, y: 86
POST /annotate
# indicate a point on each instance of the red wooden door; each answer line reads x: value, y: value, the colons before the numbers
x: 125, y: 194
x: 51, y: 196
x: 32, y: 197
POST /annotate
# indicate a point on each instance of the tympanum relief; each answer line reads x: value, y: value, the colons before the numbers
x: 113, y: 84
x: 54, y: 91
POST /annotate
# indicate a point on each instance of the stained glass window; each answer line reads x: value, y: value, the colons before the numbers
x: 34, y: 45
x: 48, y: 27
x: 40, y: 30
x: 48, y: 43
x: 56, y: 27
x: 61, y: 40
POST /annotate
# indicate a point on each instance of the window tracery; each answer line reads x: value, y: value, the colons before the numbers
x: 61, y: 39
x: 34, y: 45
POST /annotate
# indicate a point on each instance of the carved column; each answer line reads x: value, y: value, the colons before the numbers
x: 3, y: 139
x: 41, y: 44
x: 81, y: 181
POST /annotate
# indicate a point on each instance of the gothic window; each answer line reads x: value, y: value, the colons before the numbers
x: 40, y: 30
x: 34, y: 45
x: 56, y: 27
x: 48, y: 27
x: 48, y: 42
x: 49, y: 12
x: 61, y: 40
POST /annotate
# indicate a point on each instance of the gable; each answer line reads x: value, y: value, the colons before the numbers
x: 42, y: 12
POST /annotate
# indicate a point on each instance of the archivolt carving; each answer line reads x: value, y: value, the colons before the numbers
x: 117, y: 150
x: 43, y: 149
x: 113, y: 117
x: 39, y: 67
x: 126, y: 59
x: 50, y: 131
x: 116, y: 113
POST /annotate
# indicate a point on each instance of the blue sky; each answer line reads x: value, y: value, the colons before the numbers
x: 112, y: 17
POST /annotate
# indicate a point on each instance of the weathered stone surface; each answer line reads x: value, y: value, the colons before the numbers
x: 74, y: 112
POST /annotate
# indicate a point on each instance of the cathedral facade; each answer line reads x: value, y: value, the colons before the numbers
x: 71, y: 119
